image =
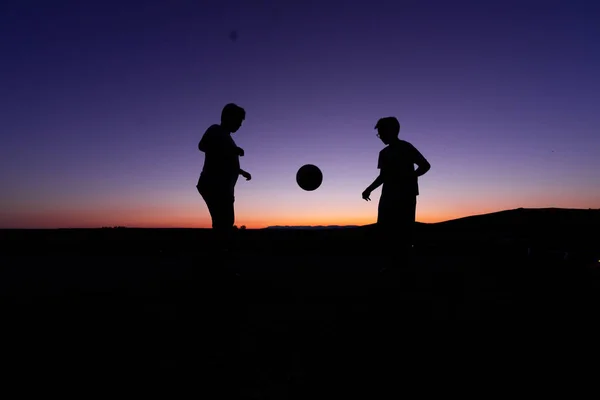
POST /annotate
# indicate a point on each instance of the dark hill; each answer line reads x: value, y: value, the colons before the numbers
x: 562, y: 228
x: 552, y: 226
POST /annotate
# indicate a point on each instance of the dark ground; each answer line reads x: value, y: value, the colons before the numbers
x: 310, y: 316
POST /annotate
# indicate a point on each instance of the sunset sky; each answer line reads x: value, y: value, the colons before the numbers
x: 102, y: 105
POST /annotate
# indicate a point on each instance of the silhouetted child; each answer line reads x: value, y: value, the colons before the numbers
x: 398, y: 201
x: 220, y: 173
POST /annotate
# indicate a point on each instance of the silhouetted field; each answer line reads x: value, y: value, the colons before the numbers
x: 309, y: 307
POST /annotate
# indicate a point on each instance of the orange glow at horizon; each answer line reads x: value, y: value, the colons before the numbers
x: 179, y: 218
x: 254, y: 214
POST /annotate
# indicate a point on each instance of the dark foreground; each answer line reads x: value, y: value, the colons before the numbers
x: 309, y: 315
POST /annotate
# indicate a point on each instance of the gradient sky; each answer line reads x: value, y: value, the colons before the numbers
x: 102, y: 105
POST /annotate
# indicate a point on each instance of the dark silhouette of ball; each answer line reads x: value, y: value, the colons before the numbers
x: 309, y: 177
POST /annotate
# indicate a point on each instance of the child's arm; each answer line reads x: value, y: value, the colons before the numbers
x: 212, y: 141
x: 245, y: 174
x: 377, y: 182
x: 206, y: 143
x: 422, y: 164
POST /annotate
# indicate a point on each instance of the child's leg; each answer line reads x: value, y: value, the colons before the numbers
x: 220, y: 208
x: 387, y: 229
x: 406, y: 223
x: 395, y: 220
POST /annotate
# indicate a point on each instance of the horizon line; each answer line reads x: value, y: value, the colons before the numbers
x: 308, y: 226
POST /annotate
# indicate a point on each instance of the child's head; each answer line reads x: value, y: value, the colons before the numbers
x: 388, y: 129
x: 232, y: 117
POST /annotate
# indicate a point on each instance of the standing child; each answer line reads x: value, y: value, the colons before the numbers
x: 398, y: 201
x: 220, y: 173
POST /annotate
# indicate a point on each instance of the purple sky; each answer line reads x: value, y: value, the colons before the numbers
x: 102, y: 105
